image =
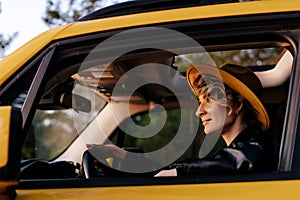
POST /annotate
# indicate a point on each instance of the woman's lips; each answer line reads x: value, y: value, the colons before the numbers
x: 205, y: 122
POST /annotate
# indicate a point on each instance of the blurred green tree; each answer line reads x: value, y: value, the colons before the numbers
x: 5, y: 40
x: 59, y: 12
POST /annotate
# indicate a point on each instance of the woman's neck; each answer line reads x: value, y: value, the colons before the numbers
x: 230, y: 133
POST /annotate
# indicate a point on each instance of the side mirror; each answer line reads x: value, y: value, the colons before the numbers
x: 76, y: 102
x: 10, y: 149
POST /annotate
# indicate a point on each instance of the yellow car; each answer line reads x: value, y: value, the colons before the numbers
x: 116, y: 78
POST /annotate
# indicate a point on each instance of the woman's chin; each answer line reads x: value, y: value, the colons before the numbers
x: 209, y: 131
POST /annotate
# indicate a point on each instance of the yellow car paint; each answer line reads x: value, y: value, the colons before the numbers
x: 5, y: 113
x: 274, y: 190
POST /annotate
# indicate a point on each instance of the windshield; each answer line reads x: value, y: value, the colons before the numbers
x: 53, y: 130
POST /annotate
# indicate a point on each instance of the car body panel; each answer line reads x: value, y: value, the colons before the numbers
x: 4, y: 185
x: 5, y: 116
x: 7, y: 178
x: 4, y: 134
x: 251, y: 190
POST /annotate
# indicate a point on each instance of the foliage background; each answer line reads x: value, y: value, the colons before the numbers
x: 5, y: 40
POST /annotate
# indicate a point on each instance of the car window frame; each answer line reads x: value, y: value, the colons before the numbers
x: 290, y: 159
x: 288, y: 126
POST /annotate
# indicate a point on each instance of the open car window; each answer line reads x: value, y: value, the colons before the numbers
x: 55, y: 128
x: 140, y: 102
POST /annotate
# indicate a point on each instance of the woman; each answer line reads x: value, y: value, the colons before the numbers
x: 232, y: 109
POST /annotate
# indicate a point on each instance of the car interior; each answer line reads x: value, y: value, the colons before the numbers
x: 99, y: 102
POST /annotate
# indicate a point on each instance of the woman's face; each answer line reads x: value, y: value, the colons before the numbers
x: 215, y: 117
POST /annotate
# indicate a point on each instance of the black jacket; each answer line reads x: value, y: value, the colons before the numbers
x: 248, y: 152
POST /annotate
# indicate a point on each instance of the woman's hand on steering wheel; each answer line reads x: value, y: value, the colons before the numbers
x: 107, y: 150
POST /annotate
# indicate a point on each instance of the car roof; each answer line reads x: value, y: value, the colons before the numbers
x: 139, y: 6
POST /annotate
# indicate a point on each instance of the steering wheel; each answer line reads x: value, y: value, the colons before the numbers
x: 93, y: 167
x: 88, y: 166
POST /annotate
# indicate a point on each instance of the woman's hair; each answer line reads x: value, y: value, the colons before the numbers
x: 213, y: 88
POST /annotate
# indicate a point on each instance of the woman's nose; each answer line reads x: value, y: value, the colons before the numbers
x: 200, y: 110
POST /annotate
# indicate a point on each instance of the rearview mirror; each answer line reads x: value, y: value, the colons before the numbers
x: 77, y: 102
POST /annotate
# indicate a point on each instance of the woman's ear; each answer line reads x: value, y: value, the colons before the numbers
x: 230, y: 110
x: 239, y: 107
